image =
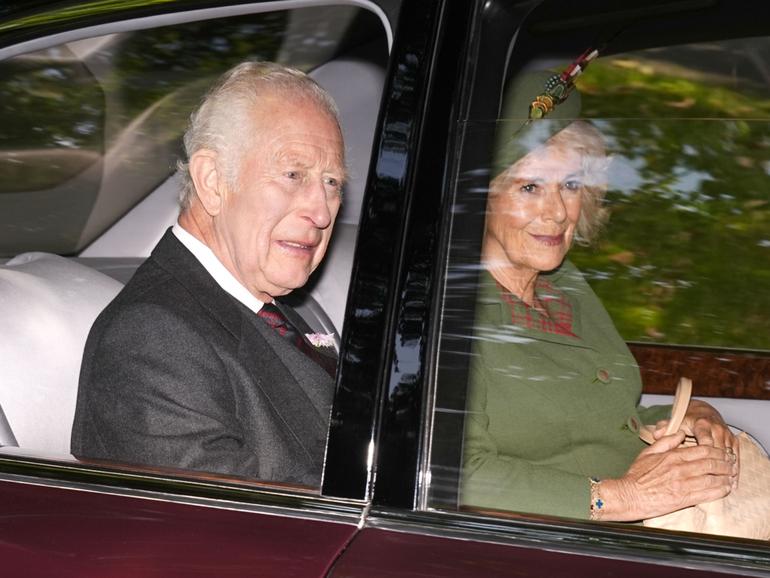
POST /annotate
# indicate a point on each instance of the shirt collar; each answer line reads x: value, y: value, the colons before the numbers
x: 214, y: 266
x: 554, y: 314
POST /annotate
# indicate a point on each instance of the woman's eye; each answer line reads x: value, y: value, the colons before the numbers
x: 573, y: 185
x: 529, y: 188
x: 293, y: 175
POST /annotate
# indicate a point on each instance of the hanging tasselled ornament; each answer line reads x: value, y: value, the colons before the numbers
x: 559, y: 86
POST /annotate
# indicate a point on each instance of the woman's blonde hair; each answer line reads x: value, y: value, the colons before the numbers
x: 585, y: 138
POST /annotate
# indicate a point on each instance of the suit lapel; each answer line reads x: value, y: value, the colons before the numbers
x: 304, y: 329
x: 302, y: 401
x: 302, y: 405
x: 176, y: 259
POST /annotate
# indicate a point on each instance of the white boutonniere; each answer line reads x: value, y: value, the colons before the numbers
x: 321, y: 339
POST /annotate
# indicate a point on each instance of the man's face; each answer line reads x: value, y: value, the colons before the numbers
x: 275, y: 226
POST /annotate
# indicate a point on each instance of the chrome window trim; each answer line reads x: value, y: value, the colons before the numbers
x: 268, y: 502
x: 148, y: 22
x: 602, y: 540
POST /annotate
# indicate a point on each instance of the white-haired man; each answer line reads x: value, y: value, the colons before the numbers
x: 186, y: 368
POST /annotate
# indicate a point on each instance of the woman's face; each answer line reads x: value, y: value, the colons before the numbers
x: 533, y: 210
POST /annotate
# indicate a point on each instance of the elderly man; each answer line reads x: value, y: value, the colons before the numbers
x: 186, y: 368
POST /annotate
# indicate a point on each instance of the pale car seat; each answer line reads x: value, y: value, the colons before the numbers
x: 47, y: 307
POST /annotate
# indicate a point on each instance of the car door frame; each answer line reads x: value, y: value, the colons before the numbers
x: 75, y: 497
x: 399, y: 474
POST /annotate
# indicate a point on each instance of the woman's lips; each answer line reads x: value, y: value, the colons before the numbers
x: 550, y: 240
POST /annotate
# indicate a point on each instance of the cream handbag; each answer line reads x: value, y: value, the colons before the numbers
x: 745, y: 512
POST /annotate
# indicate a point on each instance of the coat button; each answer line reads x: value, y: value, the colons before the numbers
x: 603, y: 375
x: 633, y: 424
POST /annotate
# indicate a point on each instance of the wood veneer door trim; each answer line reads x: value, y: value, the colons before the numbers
x: 714, y: 372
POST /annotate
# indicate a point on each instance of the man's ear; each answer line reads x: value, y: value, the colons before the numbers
x: 205, y: 177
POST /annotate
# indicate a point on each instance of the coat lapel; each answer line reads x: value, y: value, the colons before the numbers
x: 177, y: 260
x: 300, y: 400
x: 493, y: 315
x: 304, y: 329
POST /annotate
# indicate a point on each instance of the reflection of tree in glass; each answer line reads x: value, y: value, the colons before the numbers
x: 153, y: 63
x: 46, y: 138
x: 685, y: 256
x: 92, y: 126
x: 36, y: 85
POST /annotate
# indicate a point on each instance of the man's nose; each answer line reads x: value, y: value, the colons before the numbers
x: 316, y: 204
x: 554, y: 208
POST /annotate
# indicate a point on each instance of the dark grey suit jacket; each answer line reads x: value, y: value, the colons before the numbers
x: 178, y: 373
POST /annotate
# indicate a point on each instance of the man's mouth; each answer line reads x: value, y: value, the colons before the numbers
x: 297, y: 245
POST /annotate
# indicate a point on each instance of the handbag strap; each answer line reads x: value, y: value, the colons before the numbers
x: 678, y: 411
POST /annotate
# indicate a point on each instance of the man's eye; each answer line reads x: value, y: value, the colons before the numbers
x: 293, y: 175
x: 529, y: 188
x: 333, y: 185
x: 573, y: 185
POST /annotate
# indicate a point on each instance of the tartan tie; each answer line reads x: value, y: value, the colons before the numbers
x: 273, y: 316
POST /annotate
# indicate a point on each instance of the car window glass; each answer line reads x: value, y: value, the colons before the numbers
x: 93, y: 127
x: 678, y: 269
x: 691, y: 194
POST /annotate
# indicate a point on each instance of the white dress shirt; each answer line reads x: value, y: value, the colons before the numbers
x: 214, y: 266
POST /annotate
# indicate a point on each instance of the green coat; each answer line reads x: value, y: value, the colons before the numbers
x: 545, y: 412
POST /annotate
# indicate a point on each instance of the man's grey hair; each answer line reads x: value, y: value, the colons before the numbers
x: 220, y: 122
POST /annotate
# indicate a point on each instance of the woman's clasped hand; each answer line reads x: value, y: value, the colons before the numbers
x: 667, y: 476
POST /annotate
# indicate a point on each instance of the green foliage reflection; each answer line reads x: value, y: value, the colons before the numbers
x: 685, y: 258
